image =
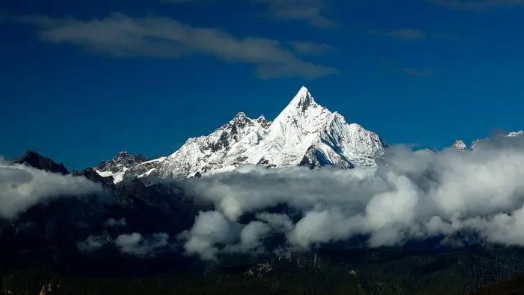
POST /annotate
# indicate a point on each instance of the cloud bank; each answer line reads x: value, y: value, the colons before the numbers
x: 23, y: 187
x: 410, y: 195
x: 120, y: 35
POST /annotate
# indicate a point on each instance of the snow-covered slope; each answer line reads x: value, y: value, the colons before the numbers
x: 304, y: 133
x: 309, y: 134
x: 220, y: 151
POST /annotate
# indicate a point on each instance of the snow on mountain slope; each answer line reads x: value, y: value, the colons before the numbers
x: 218, y: 152
x: 304, y: 133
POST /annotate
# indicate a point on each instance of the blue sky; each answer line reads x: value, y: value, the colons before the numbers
x: 84, y: 79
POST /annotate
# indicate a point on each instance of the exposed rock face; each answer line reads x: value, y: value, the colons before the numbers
x: 122, y: 162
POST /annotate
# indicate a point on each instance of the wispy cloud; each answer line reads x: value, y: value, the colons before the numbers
x: 477, y: 5
x: 180, y: 1
x: 418, y: 72
x: 161, y: 37
x: 311, y: 11
x: 311, y: 48
x: 404, y: 34
x: 134, y: 244
x: 91, y: 244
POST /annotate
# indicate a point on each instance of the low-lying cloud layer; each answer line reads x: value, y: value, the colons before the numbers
x: 411, y: 195
x: 22, y: 187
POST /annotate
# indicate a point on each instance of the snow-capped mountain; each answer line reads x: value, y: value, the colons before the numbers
x: 304, y: 133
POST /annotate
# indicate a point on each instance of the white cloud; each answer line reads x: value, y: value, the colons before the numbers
x: 405, y: 34
x: 278, y: 222
x: 251, y: 238
x: 22, y: 187
x: 411, y: 195
x: 92, y: 243
x: 311, y: 11
x: 137, y: 245
x: 310, y: 48
x: 122, y: 36
x: 211, y: 229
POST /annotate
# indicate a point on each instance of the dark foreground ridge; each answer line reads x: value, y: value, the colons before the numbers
x: 510, y: 287
x: 40, y: 253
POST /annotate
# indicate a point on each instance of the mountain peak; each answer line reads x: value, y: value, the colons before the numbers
x: 265, y: 123
x: 303, y: 99
x: 240, y: 119
x: 122, y: 154
x: 459, y: 145
x: 35, y: 160
x: 240, y: 115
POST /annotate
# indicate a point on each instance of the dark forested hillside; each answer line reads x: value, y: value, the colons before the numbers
x: 380, y: 271
x: 510, y: 287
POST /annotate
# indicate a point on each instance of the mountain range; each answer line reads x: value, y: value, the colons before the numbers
x: 303, y: 134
